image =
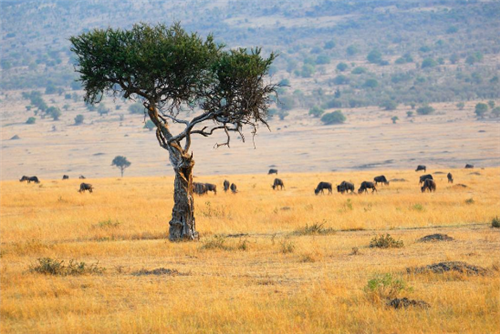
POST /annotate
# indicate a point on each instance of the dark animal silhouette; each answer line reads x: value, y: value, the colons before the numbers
x: 425, y: 177
x: 65, y: 177
x: 430, y: 185
x: 199, y: 188
x: 81, y: 177
x: 345, y: 187
x: 365, y: 185
x: 211, y: 187
x: 450, y: 178
x: 226, y: 185
x: 380, y: 179
x: 322, y: 186
x: 29, y: 179
x: 272, y: 171
x: 469, y: 166
x: 278, y: 183
x: 421, y: 167
x: 85, y: 186
x: 234, y: 189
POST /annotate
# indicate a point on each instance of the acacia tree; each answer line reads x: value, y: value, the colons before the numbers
x: 121, y: 162
x: 169, y: 71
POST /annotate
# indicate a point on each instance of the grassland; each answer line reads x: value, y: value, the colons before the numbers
x: 254, y: 269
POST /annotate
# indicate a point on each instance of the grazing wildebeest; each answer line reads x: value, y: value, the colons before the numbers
x: 380, y: 179
x: 226, y: 185
x: 234, y: 189
x: 425, y: 177
x: 345, y: 187
x: 81, y: 177
x: 278, y: 183
x: 421, y: 167
x: 29, y: 179
x: 469, y: 166
x: 450, y: 178
x: 272, y: 171
x: 211, y: 187
x: 65, y: 177
x: 85, y: 186
x: 199, y: 188
x: 322, y: 186
x: 365, y: 185
x: 430, y: 185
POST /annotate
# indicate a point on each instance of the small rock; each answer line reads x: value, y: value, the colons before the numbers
x: 15, y: 137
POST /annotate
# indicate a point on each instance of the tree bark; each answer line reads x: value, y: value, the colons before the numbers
x: 182, y: 224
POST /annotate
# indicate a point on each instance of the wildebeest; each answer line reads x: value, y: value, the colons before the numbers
x: 29, y: 179
x: 85, y: 186
x: 211, y: 187
x: 81, y: 177
x: 365, y: 185
x: 450, y: 178
x: 421, y: 167
x: 425, y: 177
x: 322, y: 186
x: 469, y: 166
x: 278, y: 183
x: 226, y: 185
x: 234, y: 189
x: 272, y: 171
x: 345, y: 187
x: 430, y: 185
x: 65, y: 177
x: 199, y: 188
x: 380, y: 179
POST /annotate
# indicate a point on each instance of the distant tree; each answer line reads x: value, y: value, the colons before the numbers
x: 495, y: 112
x: 50, y: 89
x: 286, y: 102
x: 374, y: 57
x: 358, y: 70
x: 329, y: 45
x: 370, y: 83
x: 460, y: 105
x: 428, y: 63
x: 333, y: 103
x: 282, y: 114
x: 322, y: 60
x: 284, y: 83
x: 409, y: 113
x: 425, y: 48
x: 336, y: 117
x: 454, y: 58
x: 342, y: 67
x: 28, y: 108
x: 79, y: 119
x: 67, y: 96
x: 491, y: 104
x: 31, y: 120
x: 66, y: 107
x: 137, y: 108
x: 90, y: 106
x: 121, y: 162
x: 451, y: 30
x: 481, y: 109
x: 149, y: 125
x: 341, y: 80
x: 425, y: 110
x: 413, y: 105
x: 316, y: 111
x: 352, y: 50
x: 394, y: 119
x: 54, y: 112
x: 307, y: 71
x: 337, y: 93
x: 76, y: 85
x: 389, y: 105
x: 102, y: 110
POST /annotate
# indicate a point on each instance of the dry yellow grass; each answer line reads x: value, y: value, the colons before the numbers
x: 317, y: 287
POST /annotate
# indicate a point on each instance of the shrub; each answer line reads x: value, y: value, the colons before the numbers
x: 358, y: 70
x: 315, y: 229
x: 48, y: 266
x: 374, y: 57
x: 385, y: 286
x: 217, y: 242
x: 316, y: 111
x: 31, y: 120
x: 460, y: 105
x: 386, y: 241
x: 429, y: 63
x: 389, y: 105
x: 495, y: 112
x: 136, y: 108
x: 495, y: 222
x: 481, y: 109
x: 394, y: 119
x: 425, y: 110
x: 79, y: 119
x: 336, y: 117
x: 287, y: 246
x: 370, y: 83
x: 334, y: 103
x: 409, y: 113
x: 341, y: 80
x: 342, y: 67
x: 149, y: 125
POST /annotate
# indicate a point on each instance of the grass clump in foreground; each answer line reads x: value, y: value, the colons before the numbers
x: 48, y: 266
x: 386, y: 241
x: 385, y: 286
x: 495, y: 222
x: 315, y: 229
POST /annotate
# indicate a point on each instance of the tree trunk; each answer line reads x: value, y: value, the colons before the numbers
x: 121, y: 170
x: 182, y: 225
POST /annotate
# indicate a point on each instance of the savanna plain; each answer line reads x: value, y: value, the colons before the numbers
x: 266, y: 262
